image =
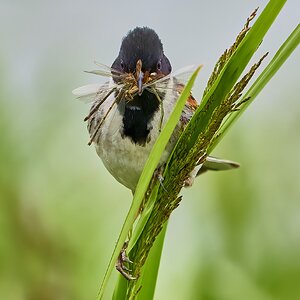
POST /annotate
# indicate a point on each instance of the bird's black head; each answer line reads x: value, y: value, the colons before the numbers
x: 142, y: 43
x: 141, y: 54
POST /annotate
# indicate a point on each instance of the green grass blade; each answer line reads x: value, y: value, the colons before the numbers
x: 120, y: 288
x: 150, y: 270
x: 234, y: 67
x: 279, y: 58
x: 146, y: 176
x: 143, y: 219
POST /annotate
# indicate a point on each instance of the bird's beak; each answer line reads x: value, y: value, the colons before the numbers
x: 139, y: 76
x: 140, y: 83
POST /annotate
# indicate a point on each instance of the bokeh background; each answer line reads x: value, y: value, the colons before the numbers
x: 235, y: 236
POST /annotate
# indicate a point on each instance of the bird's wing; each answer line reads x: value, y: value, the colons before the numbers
x: 190, y: 106
x: 191, y: 101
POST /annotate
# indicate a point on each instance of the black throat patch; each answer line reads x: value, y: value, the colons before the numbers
x: 137, y: 115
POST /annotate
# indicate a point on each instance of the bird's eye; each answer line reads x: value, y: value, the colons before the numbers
x: 158, y: 66
x: 122, y: 64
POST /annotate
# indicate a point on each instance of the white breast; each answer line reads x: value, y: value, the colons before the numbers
x: 123, y: 158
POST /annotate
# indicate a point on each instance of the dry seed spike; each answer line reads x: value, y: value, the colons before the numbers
x: 251, y: 17
x: 229, y: 52
x: 236, y: 107
x: 244, y: 81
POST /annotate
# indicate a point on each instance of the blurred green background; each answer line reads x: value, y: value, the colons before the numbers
x: 235, y: 236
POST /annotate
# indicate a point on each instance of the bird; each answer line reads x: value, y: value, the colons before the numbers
x: 129, y: 111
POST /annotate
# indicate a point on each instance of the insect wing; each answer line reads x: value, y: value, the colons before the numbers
x: 107, y: 71
x: 180, y: 75
x: 91, y: 92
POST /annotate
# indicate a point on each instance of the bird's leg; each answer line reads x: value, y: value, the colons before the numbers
x: 122, y: 260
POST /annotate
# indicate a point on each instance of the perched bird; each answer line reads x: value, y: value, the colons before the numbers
x: 129, y: 111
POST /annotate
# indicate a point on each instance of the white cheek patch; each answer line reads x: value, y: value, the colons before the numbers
x: 133, y: 107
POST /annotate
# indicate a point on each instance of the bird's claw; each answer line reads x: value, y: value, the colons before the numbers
x: 123, y: 256
x: 121, y: 267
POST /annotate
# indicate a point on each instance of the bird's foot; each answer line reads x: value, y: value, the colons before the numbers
x: 122, y: 260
